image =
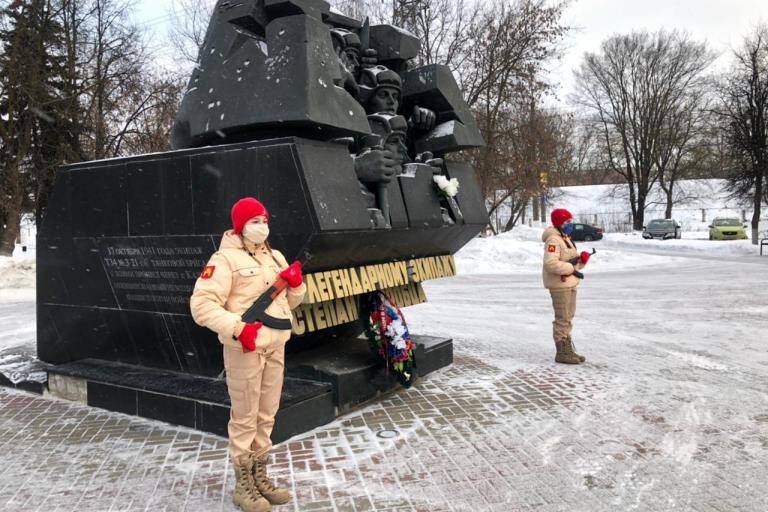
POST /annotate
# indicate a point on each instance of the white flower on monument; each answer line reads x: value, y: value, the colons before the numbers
x: 448, y: 188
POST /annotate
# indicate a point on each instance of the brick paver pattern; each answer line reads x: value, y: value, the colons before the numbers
x: 469, y: 438
x: 647, y: 424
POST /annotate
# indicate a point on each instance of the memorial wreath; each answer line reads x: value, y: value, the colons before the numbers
x: 388, y: 335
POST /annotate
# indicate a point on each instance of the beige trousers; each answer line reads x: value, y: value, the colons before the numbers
x: 564, y: 304
x: 254, y: 382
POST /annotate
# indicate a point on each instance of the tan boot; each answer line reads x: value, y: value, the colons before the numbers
x: 569, y: 342
x: 564, y: 354
x: 246, y: 496
x: 274, y: 495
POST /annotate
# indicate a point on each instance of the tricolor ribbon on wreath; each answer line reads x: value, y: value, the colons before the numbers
x: 389, y: 337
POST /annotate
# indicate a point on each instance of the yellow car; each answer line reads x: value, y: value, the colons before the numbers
x: 727, y: 228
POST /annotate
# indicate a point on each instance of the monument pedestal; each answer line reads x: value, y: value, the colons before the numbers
x: 319, y: 386
x: 183, y: 399
x: 357, y: 374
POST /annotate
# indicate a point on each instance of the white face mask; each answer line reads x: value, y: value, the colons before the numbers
x: 256, y: 233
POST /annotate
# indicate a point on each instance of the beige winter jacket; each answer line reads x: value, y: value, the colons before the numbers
x: 230, y: 283
x: 558, y: 249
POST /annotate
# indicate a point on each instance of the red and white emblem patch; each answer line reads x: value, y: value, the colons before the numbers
x: 551, y: 248
x: 207, y: 272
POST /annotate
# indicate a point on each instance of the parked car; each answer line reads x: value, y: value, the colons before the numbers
x: 586, y: 233
x: 727, y: 228
x: 662, y: 228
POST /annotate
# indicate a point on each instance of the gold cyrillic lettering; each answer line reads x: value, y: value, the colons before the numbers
x: 322, y: 287
x: 330, y: 313
x: 313, y: 295
x: 341, y: 312
x: 338, y: 291
x: 372, y: 277
x: 357, y: 288
x: 346, y: 284
x: 317, y: 310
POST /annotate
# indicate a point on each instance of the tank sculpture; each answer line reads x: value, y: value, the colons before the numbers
x: 324, y: 117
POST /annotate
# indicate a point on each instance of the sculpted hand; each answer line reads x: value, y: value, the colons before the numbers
x: 375, y: 166
x: 369, y: 58
x: 423, y: 118
x: 428, y: 158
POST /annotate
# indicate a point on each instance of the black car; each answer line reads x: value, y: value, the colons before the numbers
x: 586, y: 233
x: 662, y: 228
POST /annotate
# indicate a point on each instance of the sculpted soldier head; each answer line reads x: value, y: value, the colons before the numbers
x: 347, y: 46
x: 392, y: 130
x: 380, y: 90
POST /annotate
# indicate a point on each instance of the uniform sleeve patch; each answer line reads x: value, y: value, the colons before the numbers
x: 551, y: 248
x: 208, y: 272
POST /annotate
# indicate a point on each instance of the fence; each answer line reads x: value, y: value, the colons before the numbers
x: 691, y: 219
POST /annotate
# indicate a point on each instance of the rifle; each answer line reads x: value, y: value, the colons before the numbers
x: 365, y: 38
x: 577, y: 259
x: 257, y: 312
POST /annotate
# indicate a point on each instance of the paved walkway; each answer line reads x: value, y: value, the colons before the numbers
x: 670, y: 413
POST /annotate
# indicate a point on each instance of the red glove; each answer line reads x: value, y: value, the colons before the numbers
x: 293, y: 275
x: 247, y: 338
x: 584, y: 256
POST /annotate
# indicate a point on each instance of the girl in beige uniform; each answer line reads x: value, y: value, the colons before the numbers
x: 244, y: 267
x: 560, y: 279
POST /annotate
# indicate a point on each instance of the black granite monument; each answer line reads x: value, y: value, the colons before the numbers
x: 328, y: 122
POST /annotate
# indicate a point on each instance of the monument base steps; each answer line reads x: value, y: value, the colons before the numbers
x: 320, y: 385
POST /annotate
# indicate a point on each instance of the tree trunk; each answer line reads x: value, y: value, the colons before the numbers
x: 12, y: 228
x: 543, y: 208
x: 638, y: 211
x: 669, y: 192
x: 510, y: 223
x: 535, y: 207
x: 638, y: 220
x: 757, y: 203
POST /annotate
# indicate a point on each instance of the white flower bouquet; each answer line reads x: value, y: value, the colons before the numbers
x: 448, y: 188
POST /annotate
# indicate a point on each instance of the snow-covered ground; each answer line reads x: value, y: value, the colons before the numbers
x: 520, y: 251
x: 670, y: 412
x: 16, y: 273
x: 517, y: 253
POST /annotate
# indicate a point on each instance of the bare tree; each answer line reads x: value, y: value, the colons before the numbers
x: 117, y: 64
x: 744, y: 114
x: 633, y: 86
x: 534, y: 153
x: 153, y: 108
x: 682, y: 146
x: 188, y: 24
x: 76, y: 83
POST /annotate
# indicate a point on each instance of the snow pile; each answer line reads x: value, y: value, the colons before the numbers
x: 502, y: 254
x: 16, y: 273
x: 521, y: 251
x: 607, y: 206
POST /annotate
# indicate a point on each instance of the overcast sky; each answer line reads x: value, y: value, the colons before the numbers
x: 721, y: 23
